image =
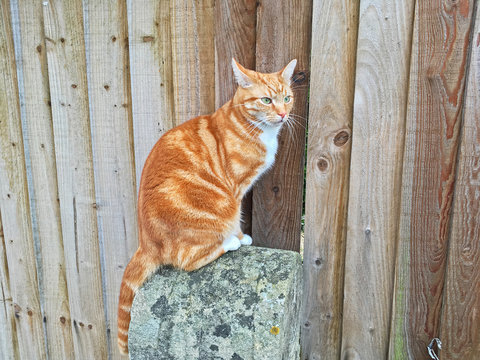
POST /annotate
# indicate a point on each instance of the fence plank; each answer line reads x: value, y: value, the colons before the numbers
x: 439, y: 53
x: 39, y: 135
x: 151, y: 75
x: 277, y: 197
x: 8, y: 334
x: 14, y: 205
x: 381, y: 90
x: 63, y: 23
x: 334, y: 39
x: 109, y: 89
x: 193, y: 54
x: 460, y: 323
x: 235, y: 36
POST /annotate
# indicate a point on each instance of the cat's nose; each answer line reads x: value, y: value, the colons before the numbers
x: 282, y: 115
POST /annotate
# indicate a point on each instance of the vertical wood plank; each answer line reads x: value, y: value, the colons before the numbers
x: 8, y: 334
x: 193, y: 55
x: 109, y: 89
x: 439, y: 54
x: 460, y: 321
x: 63, y: 23
x: 334, y: 39
x: 235, y: 36
x: 277, y: 197
x: 14, y: 205
x: 151, y: 75
x: 39, y: 135
x: 381, y: 92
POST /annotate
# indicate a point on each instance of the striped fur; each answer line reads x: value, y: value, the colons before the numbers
x: 195, y: 177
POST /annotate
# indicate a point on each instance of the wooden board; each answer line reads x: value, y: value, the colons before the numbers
x: 334, y: 40
x: 8, y: 335
x: 277, y: 197
x: 63, y: 26
x: 381, y: 92
x: 39, y: 135
x: 14, y: 207
x: 460, y: 321
x: 151, y: 75
x: 112, y: 138
x: 193, y: 55
x: 235, y: 36
x: 439, y: 54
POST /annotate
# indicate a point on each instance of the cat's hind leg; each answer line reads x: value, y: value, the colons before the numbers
x: 200, y: 255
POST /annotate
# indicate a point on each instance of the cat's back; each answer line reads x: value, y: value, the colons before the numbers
x: 189, y: 146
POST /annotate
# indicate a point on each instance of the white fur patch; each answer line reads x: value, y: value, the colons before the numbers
x: 269, y: 138
x: 231, y: 243
x: 246, y: 240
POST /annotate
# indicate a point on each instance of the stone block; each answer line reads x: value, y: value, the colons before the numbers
x: 245, y: 305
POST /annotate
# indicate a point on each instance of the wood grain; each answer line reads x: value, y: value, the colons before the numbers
x: 460, y: 320
x: 151, y: 75
x: 334, y: 39
x: 277, y: 197
x: 381, y: 91
x: 193, y: 55
x: 235, y: 36
x: 14, y: 207
x: 437, y: 81
x: 112, y: 138
x: 8, y: 335
x: 39, y: 135
x: 63, y: 26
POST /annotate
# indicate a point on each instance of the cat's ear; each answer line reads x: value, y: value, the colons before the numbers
x: 287, y: 71
x: 242, y: 78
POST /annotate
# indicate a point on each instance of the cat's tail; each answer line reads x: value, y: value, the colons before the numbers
x: 136, y: 272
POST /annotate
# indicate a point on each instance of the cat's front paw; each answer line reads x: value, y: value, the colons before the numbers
x: 231, y: 244
x: 246, y: 240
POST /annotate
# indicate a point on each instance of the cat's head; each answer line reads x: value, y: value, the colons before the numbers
x: 265, y: 99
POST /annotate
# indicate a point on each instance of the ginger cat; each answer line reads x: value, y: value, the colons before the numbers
x: 195, y: 177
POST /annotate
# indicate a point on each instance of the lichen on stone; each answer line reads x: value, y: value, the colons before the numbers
x: 228, y: 309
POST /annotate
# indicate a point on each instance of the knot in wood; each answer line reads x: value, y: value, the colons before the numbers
x: 299, y: 77
x: 62, y: 319
x: 341, y: 138
x: 147, y: 38
x: 322, y: 164
x: 275, y: 189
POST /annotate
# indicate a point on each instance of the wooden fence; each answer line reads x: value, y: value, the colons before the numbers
x: 391, y: 90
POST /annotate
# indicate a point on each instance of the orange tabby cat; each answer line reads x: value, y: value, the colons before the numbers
x: 195, y: 177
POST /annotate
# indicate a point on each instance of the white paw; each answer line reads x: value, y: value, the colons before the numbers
x: 231, y: 243
x: 246, y: 240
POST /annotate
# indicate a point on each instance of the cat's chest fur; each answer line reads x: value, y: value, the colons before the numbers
x: 269, y: 139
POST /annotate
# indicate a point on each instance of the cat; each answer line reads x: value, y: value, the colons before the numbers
x: 195, y: 177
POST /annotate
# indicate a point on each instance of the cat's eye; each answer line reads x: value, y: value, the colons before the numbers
x: 266, y: 100
x: 287, y: 99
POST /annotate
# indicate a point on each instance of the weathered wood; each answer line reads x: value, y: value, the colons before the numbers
x: 63, y: 26
x: 39, y: 135
x: 8, y: 335
x: 439, y: 54
x: 283, y: 34
x: 334, y: 39
x: 193, y: 55
x: 381, y: 92
x: 14, y: 208
x: 112, y: 138
x: 460, y: 323
x: 14, y: 205
x: 235, y: 36
x: 151, y: 74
